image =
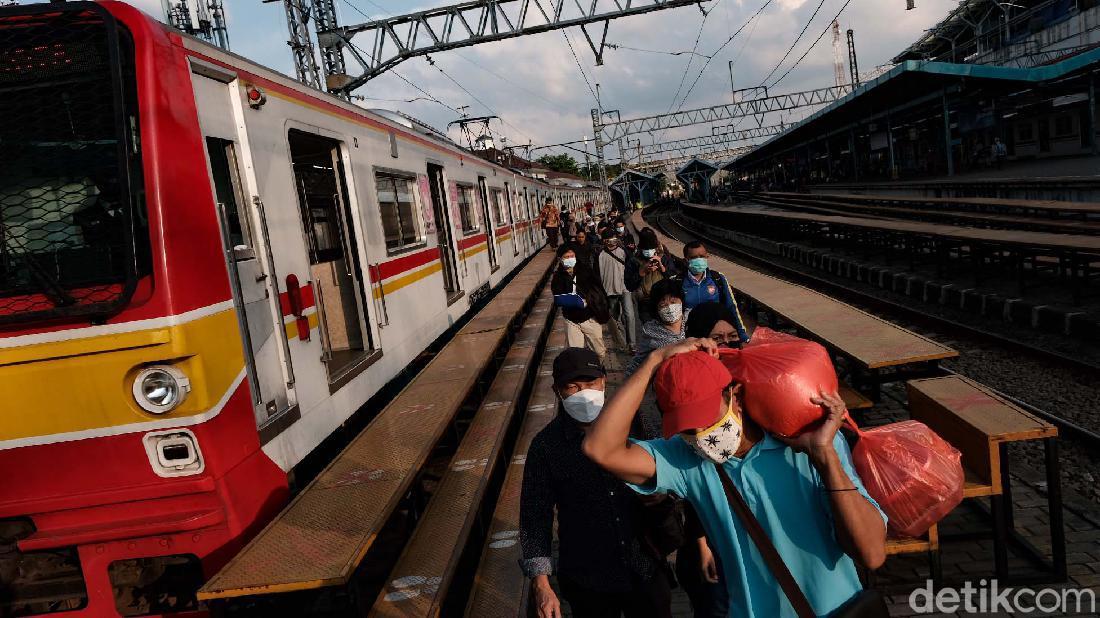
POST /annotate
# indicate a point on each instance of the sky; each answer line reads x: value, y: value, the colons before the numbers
x: 535, y: 85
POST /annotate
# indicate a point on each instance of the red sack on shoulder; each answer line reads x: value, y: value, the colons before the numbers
x: 915, y: 475
x: 779, y: 374
x: 763, y: 334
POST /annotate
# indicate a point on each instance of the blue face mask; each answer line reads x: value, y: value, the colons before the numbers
x: 569, y: 262
x: 697, y: 265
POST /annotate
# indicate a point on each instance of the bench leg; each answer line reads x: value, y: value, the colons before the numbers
x: 1054, y: 506
x: 1006, y: 488
x: 935, y: 566
x: 1000, y: 537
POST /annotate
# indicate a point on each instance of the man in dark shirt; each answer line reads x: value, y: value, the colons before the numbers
x: 603, y: 568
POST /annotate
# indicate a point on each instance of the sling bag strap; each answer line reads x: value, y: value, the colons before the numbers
x: 765, y: 547
x: 614, y: 257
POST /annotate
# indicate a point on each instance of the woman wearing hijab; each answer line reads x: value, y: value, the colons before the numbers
x: 717, y: 322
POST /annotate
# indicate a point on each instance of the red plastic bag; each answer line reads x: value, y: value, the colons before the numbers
x: 763, y: 335
x: 915, y: 475
x: 779, y: 375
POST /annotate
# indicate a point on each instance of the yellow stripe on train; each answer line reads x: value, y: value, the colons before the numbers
x: 397, y: 283
x: 472, y: 251
x: 86, y: 384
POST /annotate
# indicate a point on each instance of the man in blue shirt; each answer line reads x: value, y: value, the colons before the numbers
x: 804, y: 491
x: 703, y: 285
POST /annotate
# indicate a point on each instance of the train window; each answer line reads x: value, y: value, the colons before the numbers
x: 230, y: 196
x: 467, y: 211
x: 496, y: 201
x: 74, y: 233
x: 397, y: 204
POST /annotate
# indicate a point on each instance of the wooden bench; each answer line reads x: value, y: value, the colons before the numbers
x: 500, y: 588
x: 853, y: 399
x: 929, y: 544
x: 980, y: 424
x: 423, y: 576
x: 321, y: 537
x: 876, y: 349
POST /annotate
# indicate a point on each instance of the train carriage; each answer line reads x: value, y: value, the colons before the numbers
x: 205, y: 269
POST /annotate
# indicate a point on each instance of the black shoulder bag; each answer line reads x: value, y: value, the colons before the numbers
x: 869, y: 603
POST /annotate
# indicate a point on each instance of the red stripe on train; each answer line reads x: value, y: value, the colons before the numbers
x: 407, y: 262
x: 472, y: 241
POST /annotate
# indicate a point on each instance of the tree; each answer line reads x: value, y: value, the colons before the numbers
x: 560, y: 163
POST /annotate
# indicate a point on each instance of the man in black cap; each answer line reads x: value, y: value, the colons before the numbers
x: 605, y: 566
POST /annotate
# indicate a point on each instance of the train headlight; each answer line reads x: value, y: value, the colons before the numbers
x: 160, y: 389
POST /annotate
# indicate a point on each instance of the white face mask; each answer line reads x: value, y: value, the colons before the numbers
x: 569, y: 262
x: 720, y: 441
x: 584, y: 406
x: 648, y: 253
x: 670, y: 313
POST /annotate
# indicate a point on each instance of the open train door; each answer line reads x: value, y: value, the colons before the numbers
x: 444, y: 231
x: 247, y: 249
x: 490, y: 231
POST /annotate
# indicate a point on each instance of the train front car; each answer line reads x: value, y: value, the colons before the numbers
x: 129, y: 455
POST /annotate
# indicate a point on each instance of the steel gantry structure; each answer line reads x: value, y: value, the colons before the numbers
x: 392, y: 40
x: 717, y: 138
x: 606, y: 132
x: 611, y: 131
x: 717, y: 155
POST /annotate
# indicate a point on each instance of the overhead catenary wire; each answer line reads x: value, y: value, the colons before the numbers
x: 795, y: 43
x: 766, y: 4
x: 474, y: 97
x: 694, y: 48
x: 467, y: 59
x: 655, y: 51
x: 579, y: 66
x: 812, y: 45
x: 429, y: 96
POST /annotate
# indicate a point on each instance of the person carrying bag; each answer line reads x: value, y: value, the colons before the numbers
x: 866, y: 604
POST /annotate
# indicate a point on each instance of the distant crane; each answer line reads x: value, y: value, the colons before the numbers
x: 204, y: 19
x: 838, y: 57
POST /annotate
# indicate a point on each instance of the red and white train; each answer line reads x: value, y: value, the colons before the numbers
x: 205, y: 269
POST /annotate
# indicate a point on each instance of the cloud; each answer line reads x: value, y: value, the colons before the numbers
x: 534, y: 83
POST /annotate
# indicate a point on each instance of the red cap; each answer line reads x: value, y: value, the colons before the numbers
x: 689, y: 391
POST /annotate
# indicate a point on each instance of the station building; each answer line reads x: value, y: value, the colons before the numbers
x: 1021, y: 73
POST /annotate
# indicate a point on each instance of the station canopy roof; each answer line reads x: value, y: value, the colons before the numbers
x: 912, y: 82
x: 630, y: 176
x: 697, y: 165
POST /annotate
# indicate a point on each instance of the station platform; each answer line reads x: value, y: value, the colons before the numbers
x: 961, y: 559
x: 966, y: 550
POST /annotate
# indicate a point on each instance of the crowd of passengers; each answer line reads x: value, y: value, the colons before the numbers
x: 640, y: 494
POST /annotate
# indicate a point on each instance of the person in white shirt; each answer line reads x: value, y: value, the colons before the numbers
x: 612, y: 268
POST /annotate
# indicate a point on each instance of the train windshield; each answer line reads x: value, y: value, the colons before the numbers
x: 73, y: 228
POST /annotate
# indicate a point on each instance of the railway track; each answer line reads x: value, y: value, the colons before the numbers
x: 665, y: 220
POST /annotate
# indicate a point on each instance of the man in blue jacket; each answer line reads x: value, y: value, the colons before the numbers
x: 703, y: 285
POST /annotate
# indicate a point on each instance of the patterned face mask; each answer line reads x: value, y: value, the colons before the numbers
x: 670, y: 313
x: 721, y: 440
